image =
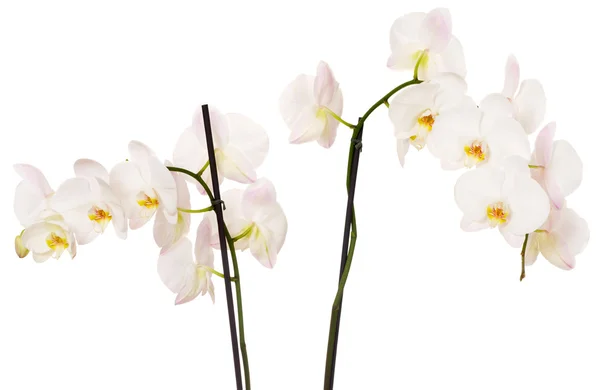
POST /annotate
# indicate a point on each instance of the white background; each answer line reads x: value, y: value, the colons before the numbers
x: 427, y: 306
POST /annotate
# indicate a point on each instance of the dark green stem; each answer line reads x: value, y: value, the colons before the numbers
x: 335, y: 309
x: 523, y: 257
x: 235, y: 278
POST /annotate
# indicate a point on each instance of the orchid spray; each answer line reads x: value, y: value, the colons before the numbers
x: 143, y: 188
x: 505, y: 186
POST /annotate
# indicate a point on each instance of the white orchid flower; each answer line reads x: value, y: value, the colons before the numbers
x: 556, y: 166
x: 564, y: 235
x: 528, y: 106
x: 143, y: 185
x: 49, y: 237
x: 309, y: 106
x: 166, y: 233
x: 428, y: 40
x: 415, y: 109
x: 240, y: 144
x: 32, y: 195
x: 88, y: 204
x: 182, y: 274
x: 468, y: 137
x: 503, y: 196
x: 46, y: 234
x: 255, y: 220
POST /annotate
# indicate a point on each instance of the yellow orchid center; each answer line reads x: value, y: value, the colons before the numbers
x: 476, y: 153
x: 426, y: 120
x: 148, y: 202
x: 497, y: 214
x: 56, y: 242
x: 425, y: 123
x: 100, y: 217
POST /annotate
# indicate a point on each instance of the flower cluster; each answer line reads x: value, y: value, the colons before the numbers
x: 144, y: 188
x: 506, y: 185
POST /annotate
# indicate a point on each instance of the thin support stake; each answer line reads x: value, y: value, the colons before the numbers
x: 355, y: 155
x: 218, y: 205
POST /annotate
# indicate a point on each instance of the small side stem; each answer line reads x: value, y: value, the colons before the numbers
x: 201, y: 171
x: 338, y: 118
x: 191, y: 211
x: 523, y: 257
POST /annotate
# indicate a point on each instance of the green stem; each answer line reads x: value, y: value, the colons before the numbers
x: 215, y: 272
x: 190, y: 211
x: 238, y: 296
x: 236, y: 278
x: 523, y: 257
x: 334, y: 322
x: 418, y: 64
x: 201, y: 171
x: 244, y: 233
x: 338, y: 118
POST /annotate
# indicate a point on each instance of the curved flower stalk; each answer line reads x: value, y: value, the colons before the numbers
x: 509, y: 188
x: 142, y: 188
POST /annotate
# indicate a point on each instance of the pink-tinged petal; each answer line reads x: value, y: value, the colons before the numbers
x: 401, y: 149
x: 497, y: 104
x: 324, y: 85
x: 310, y: 128
x: 190, y: 153
x: 436, y: 30
x: 248, y: 137
x: 531, y: 105
x: 329, y: 134
x: 532, y: 250
x: 218, y: 125
x: 269, y: 235
x: 72, y: 193
x: 90, y: 169
x: 571, y: 228
x: 203, y: 250
x: 528, y: 205
x: 543, y: 145
x: 563, y: 173
x: 258, y: 195
x: 234, y: 165
x: 451, y: 59
x: 475, y: 190
x: 176, y: 267
x: 29, y: 203
x: 35, y: 177
x: 512, y: 76
x: 298, y: 109
x: 556, y: 251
